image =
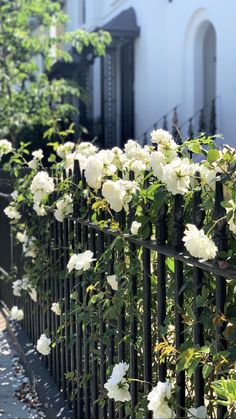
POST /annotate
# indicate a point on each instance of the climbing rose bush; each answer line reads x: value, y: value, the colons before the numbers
x: 126, y: 191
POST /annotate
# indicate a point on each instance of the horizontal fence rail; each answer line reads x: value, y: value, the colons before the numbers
x: 87, y: 349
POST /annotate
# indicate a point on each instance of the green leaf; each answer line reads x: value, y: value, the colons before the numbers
x: 213, y: 155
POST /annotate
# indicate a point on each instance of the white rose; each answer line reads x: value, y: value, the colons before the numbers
x: 42, y: 186
x: 158, y: 400
x: 39, y: 209
x: 5, y: 147
x: 64, y: 207
x: 38, y: 154
x: 81, y: 261
x: 86, y: 149
x: 56, y: 308
x: 177, y: 175
x: 65, y: 149
x: 112, y: 281
x: 198, y: 244
x: 157, y: 162
x: 12, y: 213
x: 117, y: 386
x: 135, y: 226
x: 43, y: 345
x: 114, y: 193
x: 16, y: 287
x: 199, y: 413
x: 160, y: 136
x: 17, y: 314
x: 93, y: 172
x: 22, y: 237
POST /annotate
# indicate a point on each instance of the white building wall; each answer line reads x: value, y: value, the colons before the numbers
x: 166, y: 72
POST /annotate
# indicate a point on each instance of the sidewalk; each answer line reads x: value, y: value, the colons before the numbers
x: 12, y: 378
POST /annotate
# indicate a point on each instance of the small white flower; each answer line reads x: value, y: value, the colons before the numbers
x: 29, y: 248
x: 158, y: 398
x: 17, y: 314
x: 86, y: 149
x: 11, y: 212
x: 80, y: 261
x: 199, y: 413
x: 43, y: 345
x: 42, y: 186
x: 38, y: 156
x: 112, y: 281
x: 135, y: 226
x: 22, y: 237
x: 160, y: 136
x: 117, y: 386
x: 16, y: 287
x: 198, y: 244
x: 39, y: 209
x: 25, y: 283
x: 64, y: 208
x: 14, y: 195
x: 65, y: 149
x: 56, y: 308
x: 231, y: 222
x: 33, y: 293
x: 5, y: 147
x: 94, y: 172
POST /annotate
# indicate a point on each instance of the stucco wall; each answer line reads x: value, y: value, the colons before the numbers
x: 166, y: 66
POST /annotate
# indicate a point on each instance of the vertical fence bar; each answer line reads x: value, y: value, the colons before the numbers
x: 147, y: 299
x: 86, y: 343
x: 161, y: 237
x: 133, y: 316
x: 110, y: 329
x: 94, y: 361
x: 179, y: 299
x: 79, y: 290
x: 221, y: 242
x: 102, y: 331
x: 198, y: 217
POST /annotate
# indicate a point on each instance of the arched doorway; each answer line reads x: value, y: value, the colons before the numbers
x: 205, y: 69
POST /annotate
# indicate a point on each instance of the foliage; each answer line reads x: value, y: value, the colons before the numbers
x: 32, y: 39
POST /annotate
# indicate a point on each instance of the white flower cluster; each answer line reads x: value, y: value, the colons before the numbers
x: 17, y: 314
x: 64, y: 207
x: 41, y: 187
x: 158, y: 401
x: 5, y: 147
x: 24, y: 284
x: 37, y: 157
x: 198, y: 244
x: 80, y: 261
x: 117, y: 386
x: 43, y: 345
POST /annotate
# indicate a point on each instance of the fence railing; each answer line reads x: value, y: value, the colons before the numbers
x: 87, y: 348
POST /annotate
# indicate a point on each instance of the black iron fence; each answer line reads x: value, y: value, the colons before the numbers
x: 86, y: 349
